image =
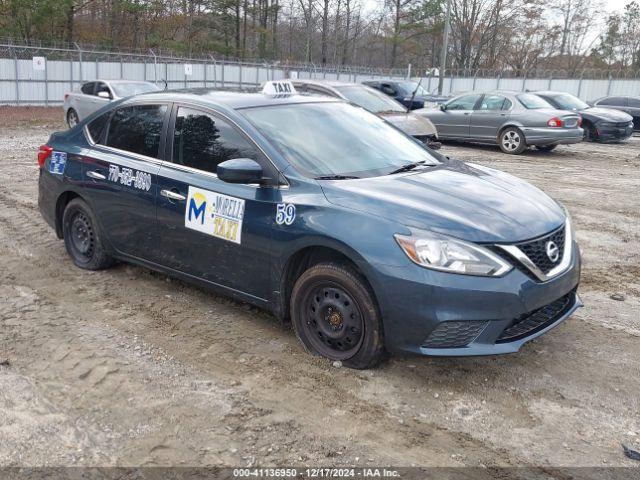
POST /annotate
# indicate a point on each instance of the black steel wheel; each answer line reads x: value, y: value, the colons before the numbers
x: 82, y: 238
x: 334, y: 322
x: 334, y: 315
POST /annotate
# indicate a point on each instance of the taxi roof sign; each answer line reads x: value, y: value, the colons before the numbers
x: 278, y: 87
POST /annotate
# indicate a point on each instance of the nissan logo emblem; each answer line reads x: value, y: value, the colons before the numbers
x: 553, y: 252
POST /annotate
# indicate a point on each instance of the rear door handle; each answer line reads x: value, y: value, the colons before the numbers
x: 96, y: 175
x: 171, y: 195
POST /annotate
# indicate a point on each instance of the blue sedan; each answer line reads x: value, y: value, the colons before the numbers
x: 319, y: 211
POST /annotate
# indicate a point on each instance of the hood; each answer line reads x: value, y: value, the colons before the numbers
x: 606, y: 114
x: 410, y: 123
x: 466, y: 201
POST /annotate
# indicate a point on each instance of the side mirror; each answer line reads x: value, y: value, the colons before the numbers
x: 443, y: 106
x: 104, y: 94
x: 240, y: 170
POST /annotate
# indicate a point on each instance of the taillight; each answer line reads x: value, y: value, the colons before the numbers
x: 555, y: 122
x: 579, y: 121
x: 66, y: 95
x: 43, y: 153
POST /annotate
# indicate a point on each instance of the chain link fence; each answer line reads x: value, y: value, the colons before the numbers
x: 41, y: 75
x: 37, y: 74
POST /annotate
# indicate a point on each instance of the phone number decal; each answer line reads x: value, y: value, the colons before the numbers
x: 129, y: 177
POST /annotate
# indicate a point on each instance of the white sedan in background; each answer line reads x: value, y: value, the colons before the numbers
x: 93, y: 95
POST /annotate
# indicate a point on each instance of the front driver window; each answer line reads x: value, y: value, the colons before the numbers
x: 202, y: 141
x: 466, y: 102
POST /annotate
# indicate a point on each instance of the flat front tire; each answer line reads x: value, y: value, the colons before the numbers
x: 335, y: 315
x: 82, y: 238
x: 512, y: 141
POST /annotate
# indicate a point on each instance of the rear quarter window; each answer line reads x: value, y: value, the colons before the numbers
x: 96, y: 127
x: 137, y: 129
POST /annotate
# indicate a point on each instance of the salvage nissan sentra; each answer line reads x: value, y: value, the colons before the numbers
x: 320, y: 212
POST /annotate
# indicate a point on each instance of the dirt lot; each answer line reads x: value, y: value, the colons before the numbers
x: 128, y: 367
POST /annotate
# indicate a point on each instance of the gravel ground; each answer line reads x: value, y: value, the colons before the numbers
x: 127, y: 367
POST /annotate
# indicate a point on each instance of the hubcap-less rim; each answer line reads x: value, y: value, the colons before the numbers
x: 82, y: 237
x: 333, y: 321
x: 511, y: 140
x: 73, y: 119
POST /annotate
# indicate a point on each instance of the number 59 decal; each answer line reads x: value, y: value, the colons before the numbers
x: 285, y: 213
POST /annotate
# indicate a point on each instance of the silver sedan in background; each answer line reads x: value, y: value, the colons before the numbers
x: 376, y: 102
x: 511, y: 120
x: 93, y: 95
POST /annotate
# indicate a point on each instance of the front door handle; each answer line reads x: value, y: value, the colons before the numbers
x: 96, y: 175
x: 173, y: 195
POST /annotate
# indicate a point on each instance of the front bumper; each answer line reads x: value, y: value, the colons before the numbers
x: 612, y: 133
x: 552, y: 136
x: 417, y: 303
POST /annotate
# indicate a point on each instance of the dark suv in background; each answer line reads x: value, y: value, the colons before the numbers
x: 630, y: 105
x: 402, y: 91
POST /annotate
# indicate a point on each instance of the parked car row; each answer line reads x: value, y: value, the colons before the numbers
x: 512, y: 120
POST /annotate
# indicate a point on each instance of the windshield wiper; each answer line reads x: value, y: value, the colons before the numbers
x: 335, y: 177
x: 407, y: 167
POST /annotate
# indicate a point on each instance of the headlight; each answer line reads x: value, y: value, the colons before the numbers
x: 447, y: 254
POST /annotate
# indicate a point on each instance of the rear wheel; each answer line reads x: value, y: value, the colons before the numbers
x: 335, y: 315
x: 512, y: 141
x: 589, y: 134
x: 546, y: 148
x: 81, y: 237
x: 72, y: 118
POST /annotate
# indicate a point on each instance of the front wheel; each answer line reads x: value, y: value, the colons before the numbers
x: 72, y: 118
x: 512, y: 141
x: 82, y: 238
x: 546, y: 148
x: 334, y: 315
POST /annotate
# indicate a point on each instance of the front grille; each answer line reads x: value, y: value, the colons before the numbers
x: 536, y: 250
x: 533, y: 322
x: 454, y: 334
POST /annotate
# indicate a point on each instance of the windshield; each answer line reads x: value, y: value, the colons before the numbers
x: 124, y: 89
x: 569, y: 102
x: 533, y: 102
x: 407, y: 88
x: 326, y: 139
x: 370, y: 99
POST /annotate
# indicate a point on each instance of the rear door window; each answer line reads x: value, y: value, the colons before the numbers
x: 614, y: 101
x: 634, y: 102
x: 88, y: 88
x: 137, y: 129
x: 465, y: 102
